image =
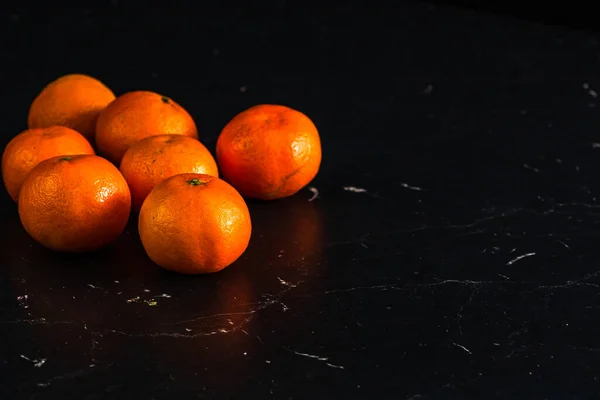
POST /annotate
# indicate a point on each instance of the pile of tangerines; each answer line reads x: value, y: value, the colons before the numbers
x: 90, y: 160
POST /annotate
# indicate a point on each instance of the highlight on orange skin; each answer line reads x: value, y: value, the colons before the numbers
x: 30, y: 147
x: 152, y: 160
x: 269, y: 152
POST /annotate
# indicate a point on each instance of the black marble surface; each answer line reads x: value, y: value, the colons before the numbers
x: 451, y: 253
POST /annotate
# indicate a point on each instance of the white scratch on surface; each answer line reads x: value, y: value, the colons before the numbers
x: 39, y: 363
x: 460, y: 346
x: 410, y: 187
x: 595, y: 145
x: 522, y: 256
x: 22, y: 300
x: 354, y: 189
x: 94, y: 287
x: 150, y: 301
x: 591, y: 92
x: 36, y: 363
x: 527, y: 166
x: 310, y: 356
x: 286, y: 283
x: 314, y: 191
x: 319, y: 358
x: 133, y: 299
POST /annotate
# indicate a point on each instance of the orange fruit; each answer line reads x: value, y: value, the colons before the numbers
x: 137, y: 115
x: 74, y: 203
x: 74, y: 101
x: 269, y: 151
x: 194, y: 224
x: 30, y: 147
x: 156, y: 158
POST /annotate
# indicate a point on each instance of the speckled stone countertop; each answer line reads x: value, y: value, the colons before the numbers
x: 448, y: 248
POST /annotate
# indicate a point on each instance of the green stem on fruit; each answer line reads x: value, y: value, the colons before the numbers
x: 195, y: 182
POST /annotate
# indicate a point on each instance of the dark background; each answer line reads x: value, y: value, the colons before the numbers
x: 467, y: 268
x: 575, y: 14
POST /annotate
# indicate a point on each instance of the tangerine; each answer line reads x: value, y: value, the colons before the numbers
x: 74, y: 101
x: 74, y: 203
x: 269, y: 151
x: 30, y: 147
x: 137, y: 115
x: 156, y: 158
x: 194, y: 224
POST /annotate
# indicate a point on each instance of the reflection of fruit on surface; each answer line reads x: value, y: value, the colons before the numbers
x: 74, y: 101
x: 74, y: 203
x: 30, y: 147
x: 269, y: 151
x: 194, y: 224
x: 292, y: 230
x: 156, y: 158
x: 137, y: 115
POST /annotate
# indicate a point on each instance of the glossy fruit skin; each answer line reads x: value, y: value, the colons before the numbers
x: 137, y: 115
x: 194, y: 224
x: 152, y: 160
x: 74, y: 101
x: 30, y: 147
x: 74, y: 203
x: 269, y: 152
